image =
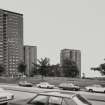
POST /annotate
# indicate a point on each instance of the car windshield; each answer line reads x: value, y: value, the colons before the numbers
x: 44, y: 83
x: 23, y: 81
x: 67, y: 84
x: 39, y: 100
x: 70, y: 84
x: 97, y: 86
x: 80, y: 100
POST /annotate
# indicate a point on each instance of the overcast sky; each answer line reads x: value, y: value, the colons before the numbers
x: 53, y: 25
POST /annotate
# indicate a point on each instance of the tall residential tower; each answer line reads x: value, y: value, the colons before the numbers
x: 11, y: 40
x: 30, y: 57
x: 73, y: 55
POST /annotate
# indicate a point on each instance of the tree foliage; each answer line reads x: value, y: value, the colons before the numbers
x: 42, y: 66
x: 34, y: 70
x: 22, y: 67
x: 54, y: 70
x: 70, y: 68
x: 45, y: 69
x: 100, y: 68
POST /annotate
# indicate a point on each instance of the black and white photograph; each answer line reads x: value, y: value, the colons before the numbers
x: 52, y: 52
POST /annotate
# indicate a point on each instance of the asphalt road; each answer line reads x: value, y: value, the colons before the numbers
x: 29, y: 92
x: 23, y: 95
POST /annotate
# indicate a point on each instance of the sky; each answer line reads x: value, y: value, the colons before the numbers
x: 52, y: 25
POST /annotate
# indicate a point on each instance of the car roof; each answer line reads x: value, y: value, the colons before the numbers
x: 67, y: 83
x: 44, y: 82
x: 59, y: 94
x: 96, y: 85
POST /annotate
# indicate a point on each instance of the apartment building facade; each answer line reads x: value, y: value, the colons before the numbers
x: 30, y: 57
x: 73, y: 55
x: 11, y: 40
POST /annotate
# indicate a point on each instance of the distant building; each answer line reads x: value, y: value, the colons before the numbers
x: 73, y: 55
x: 30, y: 57
x: 11, y: 40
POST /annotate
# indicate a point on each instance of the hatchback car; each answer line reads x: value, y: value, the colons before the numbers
x: 54, y: 98
x: 45, y: 85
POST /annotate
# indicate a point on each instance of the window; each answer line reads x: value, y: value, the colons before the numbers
x: 64, y: 102
x: 80, y: 100
x: 68, y: 101
x: 55, y: 100
x: 40, y: 100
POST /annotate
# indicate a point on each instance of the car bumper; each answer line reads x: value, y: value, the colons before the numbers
x: 10, y: 97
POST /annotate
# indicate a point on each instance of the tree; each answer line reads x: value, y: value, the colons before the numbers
x: 34, y: 70
x: 22, y: 68
x: 70, y: 68
x: 2, y: 69
x: 101, y: 68
x: 54, y: 70
x: 42, y: 66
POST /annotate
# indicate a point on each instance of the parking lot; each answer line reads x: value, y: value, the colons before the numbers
x: 28, y: 92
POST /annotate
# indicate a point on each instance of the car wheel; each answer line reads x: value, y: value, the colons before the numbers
x: 5, y: 104
x: 39, y: 86
x: 104, y: 91
x: 90, y: 90
x: 74, y: 89
x: 63, y: 88
x: 47, y: 87
x: 77, y: 90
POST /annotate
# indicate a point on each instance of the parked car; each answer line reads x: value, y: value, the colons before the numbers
x: 3, y: 99
x: 95, y: 88
x: 10, y: 96
x: 69, y: 86
x: 25, y: 84
x: 54, y: 98
x: 45, y: 85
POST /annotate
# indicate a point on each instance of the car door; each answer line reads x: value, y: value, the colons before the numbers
x: 53, y: 100
x: 98, y: 88
x: 68, y: 101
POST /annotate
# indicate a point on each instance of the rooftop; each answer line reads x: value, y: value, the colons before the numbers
x: 59, y: 94
x: 11, y: 12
